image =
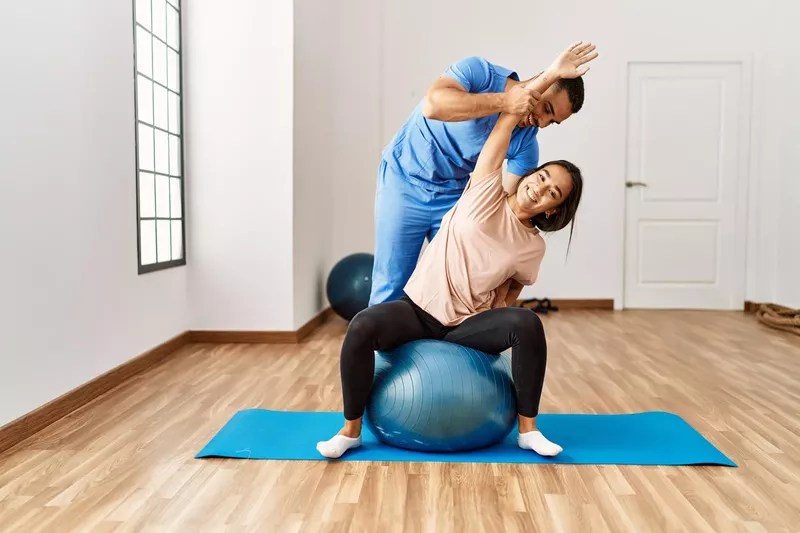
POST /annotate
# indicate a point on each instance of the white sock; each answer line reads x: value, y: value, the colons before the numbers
x: 337, y: 445
x: 534, y: 440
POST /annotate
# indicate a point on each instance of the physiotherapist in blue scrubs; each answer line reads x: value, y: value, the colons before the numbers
x: 426, y: 166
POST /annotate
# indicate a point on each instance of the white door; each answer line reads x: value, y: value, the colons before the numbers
x: 683, y: 243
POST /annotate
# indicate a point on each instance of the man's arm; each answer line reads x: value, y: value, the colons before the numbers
x: 451, y: 98
x: 513, y: 293
x: 447, y: 100
x: 461, y: 94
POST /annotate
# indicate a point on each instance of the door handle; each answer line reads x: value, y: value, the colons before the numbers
x: 630, y: 184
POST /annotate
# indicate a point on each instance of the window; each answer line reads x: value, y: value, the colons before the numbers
x: 159, y: 136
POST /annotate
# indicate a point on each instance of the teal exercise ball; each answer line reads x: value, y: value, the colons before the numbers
x: 349, y: 284
x: 436, y: 396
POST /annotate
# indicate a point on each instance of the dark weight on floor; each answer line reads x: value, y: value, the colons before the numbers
x: 349, y: 284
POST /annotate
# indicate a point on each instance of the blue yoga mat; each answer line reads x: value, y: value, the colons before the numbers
x: 652, y: 438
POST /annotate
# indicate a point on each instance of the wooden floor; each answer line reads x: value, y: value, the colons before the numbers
x: 125, y: 462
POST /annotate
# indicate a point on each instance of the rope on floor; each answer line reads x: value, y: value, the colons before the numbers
x: 779, y: 317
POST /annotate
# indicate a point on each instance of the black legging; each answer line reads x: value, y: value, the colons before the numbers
x: 388, y: 325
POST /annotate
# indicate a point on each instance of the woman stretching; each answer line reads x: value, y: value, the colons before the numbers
x: 488, y: 247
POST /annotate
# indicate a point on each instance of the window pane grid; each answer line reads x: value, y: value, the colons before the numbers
x: 159, y: 139
x: 157, y: 38
x: 164, y: 174
x: 148, y: 78
x: 156, y: 128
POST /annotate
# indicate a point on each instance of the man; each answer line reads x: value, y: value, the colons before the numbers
x: 426, y: 166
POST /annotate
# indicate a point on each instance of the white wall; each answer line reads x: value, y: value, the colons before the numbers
x: 336, y: 138
x: 357, y: 115
x: 358, y: 76
x: 314, y: 131
x: 595, y: 138
x: 355, y: 76
x: 774, y: 236
x: 238, y: 70
x: 282, y: 119
x: 73, y: 305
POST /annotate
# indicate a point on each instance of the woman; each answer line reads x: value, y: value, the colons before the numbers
x: 488, y: 247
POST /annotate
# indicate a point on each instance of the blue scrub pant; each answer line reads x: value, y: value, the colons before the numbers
x: 405, y: 215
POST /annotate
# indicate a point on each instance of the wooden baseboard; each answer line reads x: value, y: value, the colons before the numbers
x: 585, y: 304
x: 27, y: 425
x: 309, y: 327
x: 244, y: 337
x: 581, y: 303
x: 20, y: 429
x: 262, y: 337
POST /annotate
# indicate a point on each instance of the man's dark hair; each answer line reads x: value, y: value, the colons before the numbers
x: 574, y: 88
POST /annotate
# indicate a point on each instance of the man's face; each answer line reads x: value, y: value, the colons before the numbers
x: 553, y: 108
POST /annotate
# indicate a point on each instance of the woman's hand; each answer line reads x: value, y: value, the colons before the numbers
x: 572, y: 63
x: 521, y: 100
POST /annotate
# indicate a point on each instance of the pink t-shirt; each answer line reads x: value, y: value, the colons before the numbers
x: 480, y: 247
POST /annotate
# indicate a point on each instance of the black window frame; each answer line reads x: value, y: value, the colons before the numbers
x: 182, y: 261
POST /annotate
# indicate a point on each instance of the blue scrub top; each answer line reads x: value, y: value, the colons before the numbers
x: 439, y: 156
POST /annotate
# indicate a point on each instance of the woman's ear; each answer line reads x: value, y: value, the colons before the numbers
x: 551, y: 212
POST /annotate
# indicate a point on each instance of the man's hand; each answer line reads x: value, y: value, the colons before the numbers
x: 572, y: 63
x: 521, y: 100
x: 514, y: 290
